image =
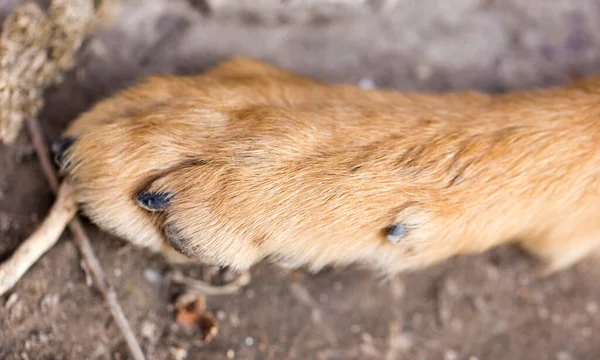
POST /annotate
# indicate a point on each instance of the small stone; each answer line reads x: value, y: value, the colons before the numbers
x: 563, y: 355
x: 249, y: 341
x: 230, y: 354
x: 12, y: 299
x: 148, y: 329
x: 221, y: 315
x: 450, y: 355
x: 405, y: 341
x: 17, y: 311
x: 43, y: 338
x: 355, y: 329
x: 101, y: 352
x: 367, y: 83
x: 152, y: 276
x: 178, y: 353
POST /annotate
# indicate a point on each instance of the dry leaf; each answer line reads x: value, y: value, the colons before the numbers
x: 192, y: 314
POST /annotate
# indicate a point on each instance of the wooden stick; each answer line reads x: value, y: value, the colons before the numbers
x: 84, y: 245
x: 46, y: 235
x: 208, y: 289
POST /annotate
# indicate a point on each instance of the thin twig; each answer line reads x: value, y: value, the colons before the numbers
x: 37, y: 139
x: 44, y: 237
x: 84, y: 244
x: 206, y: 288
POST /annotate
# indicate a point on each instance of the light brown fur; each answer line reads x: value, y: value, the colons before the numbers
x: 263, y: 163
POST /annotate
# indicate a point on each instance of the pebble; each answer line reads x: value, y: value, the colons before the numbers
x: 12, y: 299
x: 148, y: 329
x: 179, y: 353
x: 405, y: 341
x: 230, y: 354
x: 43, y: 338
x: 563, y: 355
x: 249, y: 341
x: 152, y: 276
x: 17, y: 311
x: 366, y: 83
x: 101, y: 352
x: 450, y: 355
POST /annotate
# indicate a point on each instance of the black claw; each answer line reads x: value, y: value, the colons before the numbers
x: 59, y: 147
x: 397, y: 232
x: 153, y: 201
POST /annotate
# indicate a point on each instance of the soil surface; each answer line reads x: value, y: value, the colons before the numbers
x: 489, y: 307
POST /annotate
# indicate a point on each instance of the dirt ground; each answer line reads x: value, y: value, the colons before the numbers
x: 482, y: 307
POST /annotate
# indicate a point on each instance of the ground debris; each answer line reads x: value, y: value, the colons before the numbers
x: 191, y: 314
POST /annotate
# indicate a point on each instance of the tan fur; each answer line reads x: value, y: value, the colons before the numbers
x: 267, y: 164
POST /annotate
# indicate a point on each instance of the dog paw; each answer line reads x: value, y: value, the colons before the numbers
x: 248, y: 162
